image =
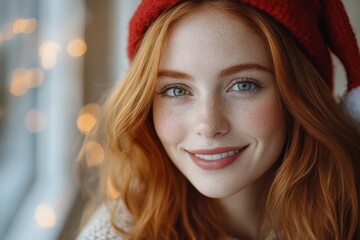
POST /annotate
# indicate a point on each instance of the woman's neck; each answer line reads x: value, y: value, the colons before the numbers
x: 244, y: 211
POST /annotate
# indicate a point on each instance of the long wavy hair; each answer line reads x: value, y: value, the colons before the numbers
x: 315, y: 187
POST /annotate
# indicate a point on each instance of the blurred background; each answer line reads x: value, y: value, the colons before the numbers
x: 57, y: 59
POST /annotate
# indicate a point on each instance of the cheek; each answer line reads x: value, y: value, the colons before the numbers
x: 265, y: 120
x: 168, y: 123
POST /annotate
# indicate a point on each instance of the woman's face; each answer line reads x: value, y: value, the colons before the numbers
x: 216, y: 109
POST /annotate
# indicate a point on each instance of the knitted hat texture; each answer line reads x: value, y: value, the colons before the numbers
x: 320, y: 26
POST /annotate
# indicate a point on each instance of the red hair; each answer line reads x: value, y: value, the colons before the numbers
x: 314, y: 193
x: 316, y: 188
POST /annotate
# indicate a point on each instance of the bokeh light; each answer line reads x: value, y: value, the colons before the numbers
x: 48, y: 53
x: 23, y: 25
x: 76, y: 48
x: 35, y: 121
x: 24, y: 78
x: 87, y: 118
x: 86, y: 122
x: 94, y: 153
x: 18, y: 86
x: 45, y: 216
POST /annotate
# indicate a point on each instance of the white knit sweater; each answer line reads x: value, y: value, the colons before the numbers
x: 99, y: 227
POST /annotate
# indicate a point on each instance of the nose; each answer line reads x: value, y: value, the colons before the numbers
x: 211, y: 118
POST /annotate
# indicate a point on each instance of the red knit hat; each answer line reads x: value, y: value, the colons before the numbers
x: 318, y: 25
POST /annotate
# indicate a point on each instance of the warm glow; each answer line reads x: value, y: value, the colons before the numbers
x: 35, y: 121
x: 87, y: 118
x: 19, y: 25
x: 94, y: 153
x: 31, y: 25
x: 86, y: 122
x: 24, y: 78
x: 111, y: 190
x: 76, y: 48
x: 48, y: 53
x: 22, y: 25
x: 45, y: 216
x: 48, y: 62
x: 18, y: 86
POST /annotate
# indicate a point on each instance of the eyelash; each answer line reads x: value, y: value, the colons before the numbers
x: 256, y: 87
x: 166, y: 88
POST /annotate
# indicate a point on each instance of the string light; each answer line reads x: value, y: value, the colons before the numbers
x: 19, y: 26
x: 45, y: 216
x: 76, y: 48
x: 22, y: 79
x: 86, y: 122
x: 87, y: 118
x: 35, y: 121
x: 48, y: 53
x: 18, y: 86
x: 23, y: 25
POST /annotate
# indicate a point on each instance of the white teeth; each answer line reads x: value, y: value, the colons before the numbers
x: 214, y: 157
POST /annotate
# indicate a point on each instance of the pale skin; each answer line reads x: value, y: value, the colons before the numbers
x: 216, y: 97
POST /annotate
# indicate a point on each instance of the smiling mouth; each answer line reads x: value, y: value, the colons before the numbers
x: 219, y: 156
x: 216, y: 159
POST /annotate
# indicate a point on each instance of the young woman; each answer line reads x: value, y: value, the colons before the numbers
x: 225, y: 126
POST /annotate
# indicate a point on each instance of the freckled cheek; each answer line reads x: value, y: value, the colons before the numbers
x: 264, y: 120
x: 168, y: 124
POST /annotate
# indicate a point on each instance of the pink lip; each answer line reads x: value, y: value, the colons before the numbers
x: 215, y: 164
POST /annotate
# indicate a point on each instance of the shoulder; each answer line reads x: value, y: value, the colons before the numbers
x: 99, y: 226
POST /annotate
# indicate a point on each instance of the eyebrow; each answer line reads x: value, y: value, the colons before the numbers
x: 242, y: 67
x: 173, y: 74
x: 225, y: 72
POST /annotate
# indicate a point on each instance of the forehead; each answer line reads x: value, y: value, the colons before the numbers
x: 215, y: 36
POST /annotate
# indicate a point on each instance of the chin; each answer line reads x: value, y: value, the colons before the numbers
x: 216, y: 192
